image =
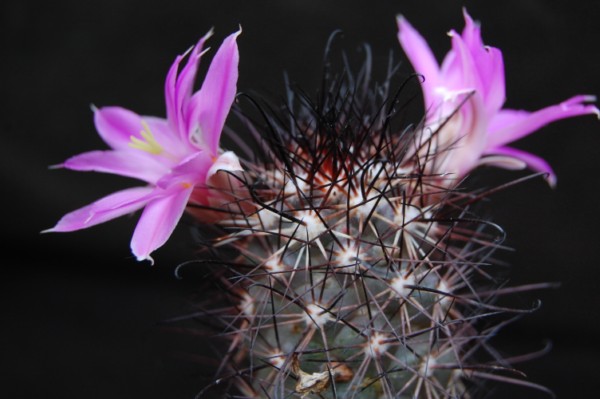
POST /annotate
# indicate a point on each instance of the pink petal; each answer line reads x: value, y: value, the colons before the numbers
x: 191, y: 171
x: 465, y: 133
x: 421, y: 57
x: 502, y: 162
x: 135, y: 164
x: 489, y: 63
x: 464, y: 68
x: 492, y: 79
x: 173, y: 110
x: 471, y: 33
x: 467, y: 129
x: 510, y: 125
x: 210, y: 106
x: 107, y: 208
x: 157, y: 222
x: 174, y: 147
x: 533, y: 162
x: 472, y: 65
x: 179, y: 87
x: 116, y: 125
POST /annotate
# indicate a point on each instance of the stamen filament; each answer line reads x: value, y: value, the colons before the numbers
x: 148, y: 144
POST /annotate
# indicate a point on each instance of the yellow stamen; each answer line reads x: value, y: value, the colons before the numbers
x: 186, y: 185
x: 148, y: 144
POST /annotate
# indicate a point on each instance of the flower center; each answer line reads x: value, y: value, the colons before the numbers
x: 148, y: 143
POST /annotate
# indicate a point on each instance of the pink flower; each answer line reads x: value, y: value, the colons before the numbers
x: 178, y: 157
x: 464, y: 97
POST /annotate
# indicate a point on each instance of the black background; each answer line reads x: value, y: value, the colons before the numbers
x: 79, y: 314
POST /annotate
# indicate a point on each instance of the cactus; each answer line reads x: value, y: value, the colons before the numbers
x: 351, y: 270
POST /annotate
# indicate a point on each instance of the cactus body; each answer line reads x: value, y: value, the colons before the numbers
x: 357, y: 273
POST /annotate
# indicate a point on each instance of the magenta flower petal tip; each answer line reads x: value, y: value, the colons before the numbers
x: 158, y: 151
x: 464, y: 98
x: 590, y: 108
